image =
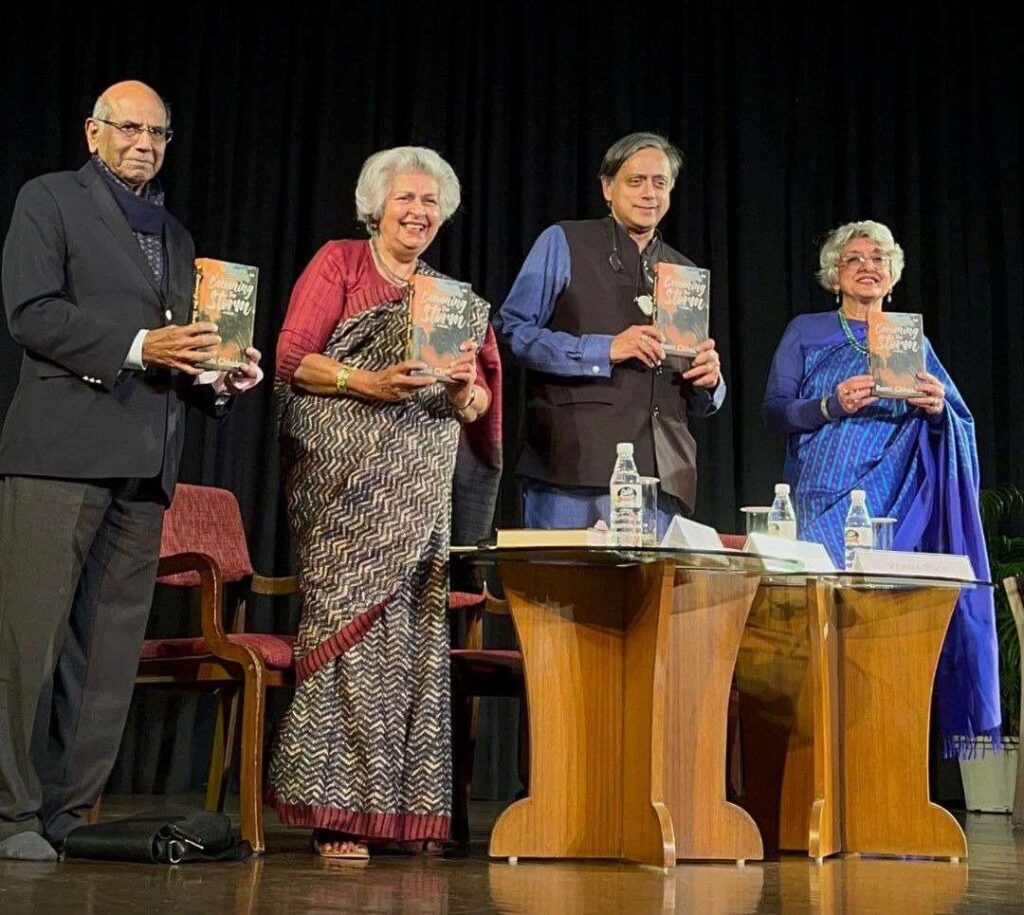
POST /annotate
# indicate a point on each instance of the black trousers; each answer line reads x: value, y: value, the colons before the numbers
x: 77, y: 570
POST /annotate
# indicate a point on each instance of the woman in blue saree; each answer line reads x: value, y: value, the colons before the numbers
x: 915, y: 458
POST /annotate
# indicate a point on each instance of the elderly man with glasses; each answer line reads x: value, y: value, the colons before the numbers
x: 97, y: 280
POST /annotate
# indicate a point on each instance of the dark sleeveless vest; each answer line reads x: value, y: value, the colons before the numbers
x: 573, y: 423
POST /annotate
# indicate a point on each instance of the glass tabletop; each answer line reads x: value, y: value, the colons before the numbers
x: 774, y: 571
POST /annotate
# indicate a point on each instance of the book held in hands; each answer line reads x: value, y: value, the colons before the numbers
x: 439, y: 313
x: 225, y: 293
x: 895, y: 353
x: 682, y: 297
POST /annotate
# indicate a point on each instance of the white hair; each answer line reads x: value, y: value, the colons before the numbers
x: 837, y: 239
x: 379, y: 172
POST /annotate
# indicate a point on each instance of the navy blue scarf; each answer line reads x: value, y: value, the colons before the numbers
x: 145, y: 212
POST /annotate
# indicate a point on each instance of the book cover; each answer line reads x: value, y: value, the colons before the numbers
x: 439, y: 322
x: 225, y: 293
x: 895, y: 353
x: 682, y: 297
x: 558, y: 537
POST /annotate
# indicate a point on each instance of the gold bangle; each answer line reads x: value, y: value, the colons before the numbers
x: 468, y: 403
x: 341, y: 379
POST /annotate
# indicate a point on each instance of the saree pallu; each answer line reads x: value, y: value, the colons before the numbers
x: 926, y: 476
x: 365, y: 746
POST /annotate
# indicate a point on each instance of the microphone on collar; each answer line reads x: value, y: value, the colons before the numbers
x: 614, y: 259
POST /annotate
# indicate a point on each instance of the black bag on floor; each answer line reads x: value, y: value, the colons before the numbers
x: 160, y: 840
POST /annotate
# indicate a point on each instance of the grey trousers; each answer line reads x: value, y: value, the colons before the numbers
x: 77, y: 570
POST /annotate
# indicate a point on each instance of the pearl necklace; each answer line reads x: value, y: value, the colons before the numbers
x: 848, y: 333
x: 388, y: 272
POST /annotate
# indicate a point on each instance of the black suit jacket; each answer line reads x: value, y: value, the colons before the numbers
x: 77, y: 289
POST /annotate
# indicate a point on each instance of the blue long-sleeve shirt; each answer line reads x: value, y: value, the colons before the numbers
x: 522, y: 323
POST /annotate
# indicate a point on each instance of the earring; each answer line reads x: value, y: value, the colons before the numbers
x: 888, y: 299
x: 839, y: 298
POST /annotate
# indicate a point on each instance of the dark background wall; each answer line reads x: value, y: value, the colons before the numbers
x: 793, y: 117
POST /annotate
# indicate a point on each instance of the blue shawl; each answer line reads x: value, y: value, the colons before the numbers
x: 923, y: 473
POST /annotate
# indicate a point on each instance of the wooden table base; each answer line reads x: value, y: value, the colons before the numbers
x: 594, y: 644
x: 857, y: 679
x: 709, y: 611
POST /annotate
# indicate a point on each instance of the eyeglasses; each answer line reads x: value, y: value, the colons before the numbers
x: 131, y: 130
x: 881, y: 261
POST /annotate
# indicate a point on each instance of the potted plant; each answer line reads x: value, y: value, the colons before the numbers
x: 989, y: 777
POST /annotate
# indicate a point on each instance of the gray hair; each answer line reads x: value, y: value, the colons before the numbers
x: 837, y: 239
x: 622, y: 149
x: 380, y: 170
x: 101, y: 111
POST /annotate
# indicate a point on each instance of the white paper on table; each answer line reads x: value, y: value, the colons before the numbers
x: 685, y: 534
x: 812, y: 556
x: 931, y: 565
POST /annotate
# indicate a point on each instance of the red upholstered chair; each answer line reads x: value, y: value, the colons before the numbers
x: 203, y: 546
x: 479, y: 671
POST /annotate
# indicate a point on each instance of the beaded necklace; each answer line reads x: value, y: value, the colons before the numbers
x: 848, y: 333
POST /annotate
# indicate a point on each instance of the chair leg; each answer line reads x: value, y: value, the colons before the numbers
x: 225, y: 735
x: 464, y: 713
x: 524, y: 743
x: 93, y: 816
x: 734, y: 749
x: 250, y: 771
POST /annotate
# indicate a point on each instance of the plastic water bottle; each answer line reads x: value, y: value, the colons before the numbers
x: 624, y: 489
x: 781, y: 517
x: 857, y: 533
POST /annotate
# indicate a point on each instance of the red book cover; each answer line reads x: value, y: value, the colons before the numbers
x: 225, y: 293
x: 895, y: 352
x: 681, y: 301
x: 439, y: 313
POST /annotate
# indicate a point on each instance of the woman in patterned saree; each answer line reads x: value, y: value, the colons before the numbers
x: 916, y: 458
x: 363, y: 753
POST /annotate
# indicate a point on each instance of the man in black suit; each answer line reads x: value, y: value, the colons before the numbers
x: 97, y: 283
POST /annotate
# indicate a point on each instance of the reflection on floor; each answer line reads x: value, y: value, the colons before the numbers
x: 291, y: 879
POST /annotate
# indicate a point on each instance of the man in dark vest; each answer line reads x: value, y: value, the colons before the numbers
x: 97, y: 281
x: 578, y: 319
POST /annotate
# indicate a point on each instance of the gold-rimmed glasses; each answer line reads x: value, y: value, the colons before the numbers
x: 131, y: 130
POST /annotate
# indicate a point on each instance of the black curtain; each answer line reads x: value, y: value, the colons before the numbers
x: 793, y: 118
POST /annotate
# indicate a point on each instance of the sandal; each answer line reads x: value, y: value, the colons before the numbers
x: 333, y: 845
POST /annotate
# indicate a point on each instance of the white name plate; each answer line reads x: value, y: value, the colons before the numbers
x: 812, y: 556
x: 684, y: 534
x: 928, y: 565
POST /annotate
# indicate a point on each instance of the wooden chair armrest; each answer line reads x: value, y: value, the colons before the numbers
x: 265, y: 584
x: 496, y: 605
x: 186, y: 562
x: 211, y: 590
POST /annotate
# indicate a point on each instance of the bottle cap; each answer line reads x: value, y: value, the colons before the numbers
x: 624, y: 448
x: 782, y: 489
x: 858, y: 495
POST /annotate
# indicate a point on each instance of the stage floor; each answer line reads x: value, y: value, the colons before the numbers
x: 290, y: 879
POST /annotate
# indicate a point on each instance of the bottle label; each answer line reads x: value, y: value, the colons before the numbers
x: 785, y: 529
x: 858, y: 538
x: 625, y: 495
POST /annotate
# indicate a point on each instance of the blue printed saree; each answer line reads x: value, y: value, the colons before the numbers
x: 921, y: 471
